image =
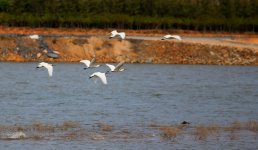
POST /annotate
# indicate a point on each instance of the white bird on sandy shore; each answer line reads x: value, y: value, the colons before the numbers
x: 48, y: 66
x: 89, y: 64
x: 114, y: 33
x: 100, y: 75
x: 34, y: 36
x: 117, y: 68
x: 172, y: 37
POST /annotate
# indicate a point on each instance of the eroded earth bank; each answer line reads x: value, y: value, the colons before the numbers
x: 134, y: 49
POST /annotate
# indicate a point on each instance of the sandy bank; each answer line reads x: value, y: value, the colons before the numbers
x: 139, y: 47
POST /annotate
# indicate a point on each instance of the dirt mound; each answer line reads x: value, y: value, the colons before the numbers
x: 105, y: 50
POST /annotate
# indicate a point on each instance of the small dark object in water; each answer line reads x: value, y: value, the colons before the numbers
x: 185, y: 122
x: 52, y: 55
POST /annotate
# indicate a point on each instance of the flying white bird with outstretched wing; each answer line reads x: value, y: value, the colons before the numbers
x: 114, y: 33
x: 48, y: 66
x: 117, y: 68
x: 89, y: 64
x: 172, y: 37
x: 100, y: 75
x: 86, y: 63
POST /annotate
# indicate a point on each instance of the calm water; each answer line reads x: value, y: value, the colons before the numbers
x: 136, y: 98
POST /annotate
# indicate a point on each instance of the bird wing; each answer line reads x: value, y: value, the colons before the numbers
x: 118, y: 66
x: 49, y: 69
x: 167, y: 36
x: 42, y: 64
x: 112, y: 67
x: 102, y: 77
x: 92, y: 61
x: 48, y: 66
x: 113, y: 33
x: 122, y: 35
x: 176, y: 37
x: 86, y: 62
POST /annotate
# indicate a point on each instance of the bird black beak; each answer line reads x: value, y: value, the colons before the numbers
x: 110, y: 37
x: 37, y: 67
x: 84, y: 68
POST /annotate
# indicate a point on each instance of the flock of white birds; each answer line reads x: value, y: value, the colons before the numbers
x: 114, y: 33
x: 91, y: 64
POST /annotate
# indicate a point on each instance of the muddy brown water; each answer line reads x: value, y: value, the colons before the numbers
x: 129, y: 104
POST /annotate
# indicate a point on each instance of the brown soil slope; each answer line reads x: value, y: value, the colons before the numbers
x: 21, y: 48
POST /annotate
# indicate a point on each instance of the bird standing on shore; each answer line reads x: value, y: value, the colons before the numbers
x: 34, y: 36
x: 114, y: 33
x: 48, y: 66
x: 172, y: 37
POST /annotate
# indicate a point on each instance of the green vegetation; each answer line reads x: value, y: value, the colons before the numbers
x: 201, y: 15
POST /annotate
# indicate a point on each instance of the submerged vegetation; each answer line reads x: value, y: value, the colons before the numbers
x: 70, y: 130
x: 202, y: 15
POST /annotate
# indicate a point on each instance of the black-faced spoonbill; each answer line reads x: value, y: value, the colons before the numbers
x: 89, y: 64
x: 100, y: 75
x: 34, y: 36
x: 114, y: 33
x: 172, y: 37
x: 117, y: 68
x: 48, y: 66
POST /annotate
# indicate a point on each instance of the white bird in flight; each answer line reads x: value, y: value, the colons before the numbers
x: 114, y: 33
x: 117, y: 68
x: 48, y: 66
x: 172, y: 37
x: 100, y: 75
x: 89, y: 64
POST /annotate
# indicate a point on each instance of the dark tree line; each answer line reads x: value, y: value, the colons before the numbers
x: 203, y: 15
